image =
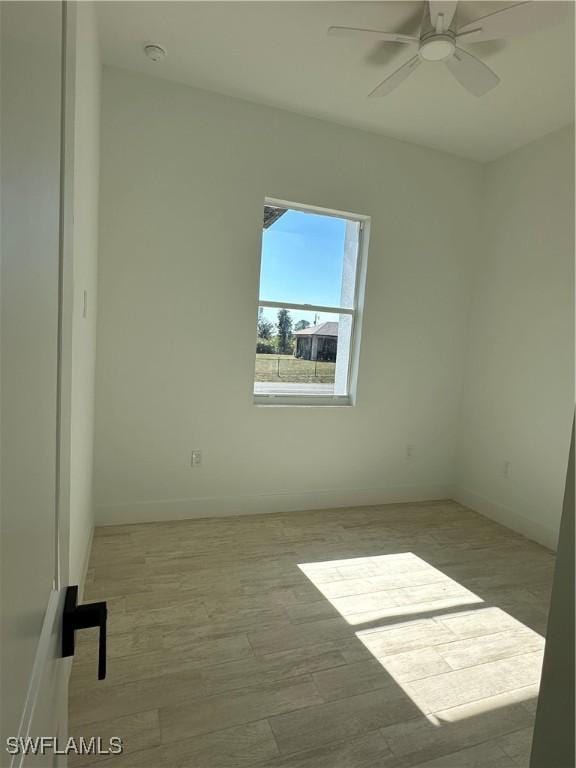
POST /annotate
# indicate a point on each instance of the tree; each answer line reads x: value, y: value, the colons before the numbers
x: 265, y: 327
x: 301, y: 325
x: 264, y: 347
x: 284, y: 326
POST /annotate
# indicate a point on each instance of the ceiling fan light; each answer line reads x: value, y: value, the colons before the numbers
x: 437, y: 48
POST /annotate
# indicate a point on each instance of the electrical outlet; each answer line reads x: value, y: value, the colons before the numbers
x: 410, y: 451
x: 196, y: 459
x: 506, y: 469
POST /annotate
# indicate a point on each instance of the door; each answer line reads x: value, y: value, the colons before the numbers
x: 553, y: 744
x: 34, y: 381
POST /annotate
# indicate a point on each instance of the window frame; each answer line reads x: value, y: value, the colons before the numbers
x: 355, y: 312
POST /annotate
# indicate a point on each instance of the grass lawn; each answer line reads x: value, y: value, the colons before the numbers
x: 288, y: 368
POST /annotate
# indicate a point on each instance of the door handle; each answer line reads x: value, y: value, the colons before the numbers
x: 83, y: 617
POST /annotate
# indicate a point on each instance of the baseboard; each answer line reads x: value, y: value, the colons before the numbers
x: 256, y: 504
x: 508, y: 517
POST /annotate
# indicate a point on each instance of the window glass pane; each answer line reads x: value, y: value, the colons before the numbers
x: 308, y: 258
x: 301, y: 353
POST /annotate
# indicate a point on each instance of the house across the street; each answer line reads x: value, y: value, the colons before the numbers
x: 317, y: 342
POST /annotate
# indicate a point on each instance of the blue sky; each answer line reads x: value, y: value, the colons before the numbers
x: 302, y: 255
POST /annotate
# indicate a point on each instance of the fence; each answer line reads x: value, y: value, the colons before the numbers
x: 288, y: 368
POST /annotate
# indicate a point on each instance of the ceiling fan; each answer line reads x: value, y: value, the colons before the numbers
x: 440, y: 38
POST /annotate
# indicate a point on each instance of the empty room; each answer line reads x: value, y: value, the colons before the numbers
x: 287, y: 384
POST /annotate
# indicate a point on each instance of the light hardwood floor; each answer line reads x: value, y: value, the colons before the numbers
x: 390, y: 636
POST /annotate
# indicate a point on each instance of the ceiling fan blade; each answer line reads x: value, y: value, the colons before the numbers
x: 374, y: 34
x: 397, y: 77
x: 441, y: 14
x: 519, y: 19
x: 472, y: 73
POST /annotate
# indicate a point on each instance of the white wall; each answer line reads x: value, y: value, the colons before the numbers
x: 183, y: 179
x: 85, y: 259
x: 518, y: 397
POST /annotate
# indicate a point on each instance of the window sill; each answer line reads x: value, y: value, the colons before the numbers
x: 304, y: 401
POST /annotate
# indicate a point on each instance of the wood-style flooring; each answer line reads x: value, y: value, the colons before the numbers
x: 370, y: 637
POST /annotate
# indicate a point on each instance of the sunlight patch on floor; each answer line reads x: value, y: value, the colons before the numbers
x: 439, y: 641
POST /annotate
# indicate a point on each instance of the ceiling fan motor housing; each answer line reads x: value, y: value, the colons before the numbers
x: 437, y: 47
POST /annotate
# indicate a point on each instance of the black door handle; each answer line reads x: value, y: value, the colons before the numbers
x: 82, y: 617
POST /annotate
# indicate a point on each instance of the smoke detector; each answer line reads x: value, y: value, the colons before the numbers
x: 154, y: 52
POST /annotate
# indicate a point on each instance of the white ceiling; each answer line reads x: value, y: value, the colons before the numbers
x: 278, y: 53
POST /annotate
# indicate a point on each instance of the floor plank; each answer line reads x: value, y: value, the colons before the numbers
x: 138, y: 732
x: 451, y: 689
x: 485, y: 755
x: 242, y: 746
x: 345, y: 718
x: 237, y: 707
x: 273, y: 667
x: 368, y: 751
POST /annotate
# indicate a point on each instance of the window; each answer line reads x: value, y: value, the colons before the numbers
x: 308, y: 325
